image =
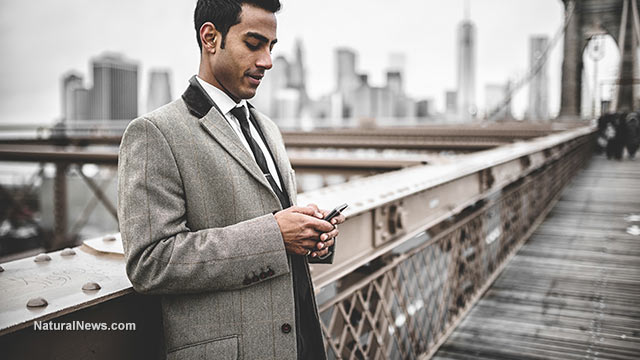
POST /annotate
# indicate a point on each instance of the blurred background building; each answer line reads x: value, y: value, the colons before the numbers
x: 466, y: 47
x: 159, y: 92
x: 538, y: 108
x: 112, y: 96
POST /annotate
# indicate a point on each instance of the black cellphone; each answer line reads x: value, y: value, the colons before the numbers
x: 335, y: 212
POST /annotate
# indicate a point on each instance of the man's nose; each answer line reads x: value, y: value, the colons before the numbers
x: 264, y: 61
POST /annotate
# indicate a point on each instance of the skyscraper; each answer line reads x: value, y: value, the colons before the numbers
x: 451, y: 101
x: 75, y: 97
x: 466, y: 45
x: 115, y: 88
x: 159, y: 89
x: 397, y: 63
x: 424, y: 108
x: 297, y: 73
x: 538, y: 87
x: 347, y: 78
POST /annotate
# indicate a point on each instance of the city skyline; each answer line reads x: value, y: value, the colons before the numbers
x: 426, y: 37
x: 113, y: 94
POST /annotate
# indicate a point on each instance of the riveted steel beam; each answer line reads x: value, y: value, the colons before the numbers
x: 387, y: 212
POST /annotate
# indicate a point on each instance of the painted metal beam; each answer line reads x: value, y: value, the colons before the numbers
x: 385, y: 212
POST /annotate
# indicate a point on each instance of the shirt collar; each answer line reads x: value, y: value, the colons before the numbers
x: 224, y: 102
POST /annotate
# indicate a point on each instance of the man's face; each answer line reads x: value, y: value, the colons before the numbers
x: 239, y: 67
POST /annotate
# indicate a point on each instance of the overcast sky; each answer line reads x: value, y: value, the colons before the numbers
x: 41, y: 41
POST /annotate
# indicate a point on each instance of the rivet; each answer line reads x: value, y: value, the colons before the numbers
x: 91, y: 286
x: 42, y: 258
x: 68, y: 252
x: 109, y: 238
x: 37, y: 302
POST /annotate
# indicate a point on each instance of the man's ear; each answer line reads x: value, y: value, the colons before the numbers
x: 210, y: 37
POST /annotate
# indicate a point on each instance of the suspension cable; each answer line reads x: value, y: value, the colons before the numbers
x: 535, y: 69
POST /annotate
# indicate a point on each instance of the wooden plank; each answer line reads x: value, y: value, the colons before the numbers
x: 573, y: 291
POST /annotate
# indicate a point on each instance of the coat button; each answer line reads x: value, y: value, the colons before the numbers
x: 263, y: 275
x: 270, y: 272
x: 255, y: 278
x: 286, y: 328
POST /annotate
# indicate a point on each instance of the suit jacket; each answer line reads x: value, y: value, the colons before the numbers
x: 197, y: 224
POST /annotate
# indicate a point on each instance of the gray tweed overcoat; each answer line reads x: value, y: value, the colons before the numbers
x: 196, y: 220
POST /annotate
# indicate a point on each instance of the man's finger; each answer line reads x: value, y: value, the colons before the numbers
x: 338, y: 219
x: 320, y: 226
x: 329, y: 235
x: 308, y: 244
x: 307, y: 210
x: 318, y: 211
x: 328, y: 243
x: 319, y: 253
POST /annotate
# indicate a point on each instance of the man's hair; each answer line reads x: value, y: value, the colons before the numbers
x: 226, y: 13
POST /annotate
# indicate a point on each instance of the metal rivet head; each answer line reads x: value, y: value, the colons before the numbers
x: 68, y: 252
x: 90, y: 286
x: 42, y: 258
x: 109, y: 238
x: 37, y: 302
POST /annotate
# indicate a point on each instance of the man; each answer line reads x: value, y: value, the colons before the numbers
x: 202, y: 184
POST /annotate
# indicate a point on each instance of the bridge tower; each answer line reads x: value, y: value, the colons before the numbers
x: 618, y: 18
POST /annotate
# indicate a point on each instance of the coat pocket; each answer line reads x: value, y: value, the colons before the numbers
x: 225, y: 348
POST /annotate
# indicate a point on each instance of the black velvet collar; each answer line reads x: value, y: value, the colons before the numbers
x: 198, y: 101
x: 196, y: 98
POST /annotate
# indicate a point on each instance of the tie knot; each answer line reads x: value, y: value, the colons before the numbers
x: 239, y: 113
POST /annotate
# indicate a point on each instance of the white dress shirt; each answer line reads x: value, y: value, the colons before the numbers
x: 226, y: 104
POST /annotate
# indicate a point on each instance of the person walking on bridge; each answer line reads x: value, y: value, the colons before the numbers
x: 207, y: 205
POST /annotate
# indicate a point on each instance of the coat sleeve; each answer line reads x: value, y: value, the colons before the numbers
x: 163, y: 256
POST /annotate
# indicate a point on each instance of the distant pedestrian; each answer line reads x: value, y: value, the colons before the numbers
x: 604, y: 133
x: 632, y: 134
x: 613, y: 135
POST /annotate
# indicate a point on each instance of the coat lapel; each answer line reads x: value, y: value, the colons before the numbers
x: 279, y: 154
x: 215, y: 124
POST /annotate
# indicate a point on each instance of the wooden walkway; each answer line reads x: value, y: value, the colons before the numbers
x: 573, y: 290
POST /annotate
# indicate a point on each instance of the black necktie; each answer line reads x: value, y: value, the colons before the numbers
x: 309, y: 340
x: 239, y: 113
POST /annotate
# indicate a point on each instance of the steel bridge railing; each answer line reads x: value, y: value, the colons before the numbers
x: 419, y: 247
x: 407, y: 307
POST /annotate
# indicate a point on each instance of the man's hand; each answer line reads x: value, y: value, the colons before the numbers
x: 327, y: 239
x: 303, y: 230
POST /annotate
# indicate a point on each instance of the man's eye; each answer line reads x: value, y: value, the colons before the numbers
x: 252, y: 47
